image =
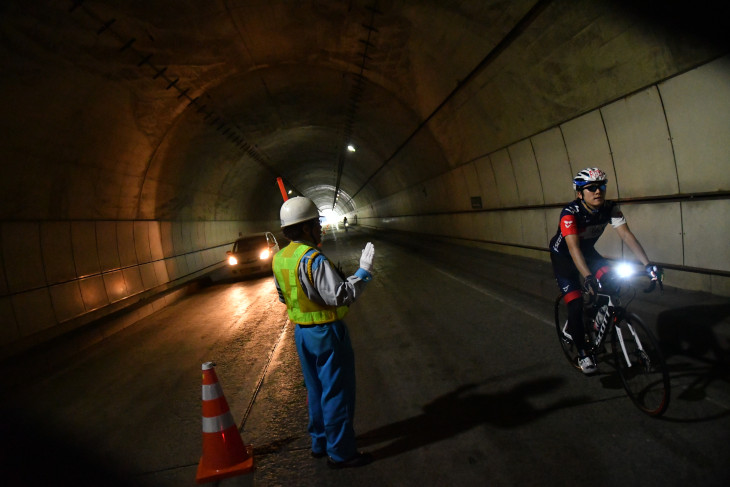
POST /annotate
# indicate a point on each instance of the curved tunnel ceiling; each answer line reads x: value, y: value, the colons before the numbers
x: 173, y: 110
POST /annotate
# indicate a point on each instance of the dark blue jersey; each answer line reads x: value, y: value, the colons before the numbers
x: 576, y: 219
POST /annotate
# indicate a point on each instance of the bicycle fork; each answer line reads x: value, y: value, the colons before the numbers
x: 620, y: 336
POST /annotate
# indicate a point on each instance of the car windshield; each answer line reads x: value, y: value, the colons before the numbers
x: 252, y: 243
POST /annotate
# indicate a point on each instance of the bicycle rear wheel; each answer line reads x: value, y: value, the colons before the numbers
x: 641, y: 365
x: 566, y: 341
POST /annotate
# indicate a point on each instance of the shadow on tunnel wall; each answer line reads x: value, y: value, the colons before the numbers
x: 696, y: 352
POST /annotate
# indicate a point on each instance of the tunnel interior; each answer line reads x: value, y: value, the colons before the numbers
x: 141, y: 138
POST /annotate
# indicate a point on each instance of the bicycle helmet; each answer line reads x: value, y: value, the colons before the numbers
x: 587, y: 176
x: 296, y: 210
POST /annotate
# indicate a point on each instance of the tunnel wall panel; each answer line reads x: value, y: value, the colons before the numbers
x: 587, y: 146
x: 640, y: 146
x: 457, y: 190
x: 34, y: 311
x: 487, y: 182
x: 22, y: 256
x: 697, y: 105
x: 125, y: 244
x: 93, y: 292
x: 149, y: 278
x: 552, y: 160
x: 86, y: 257
x: 167, y: 239
x: 161, y: 272
x: 106, y: 239
x: 511, y: 223
x: 58, y: 254
x: 132, y: 280
x: 534, y: 228
x: 155, y: 241
x: 706, y: 234
x: 527, y: 173
x: 504, y: 177
x: 659, y: 229
x: 142, y: 242
x: 471, y: 177
x: 67, y: 301
x: 110, y: 288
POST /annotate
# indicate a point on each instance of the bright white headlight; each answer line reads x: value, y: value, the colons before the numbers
x: 624, y: 270
x: 232, y: 260
x: 264, y: 254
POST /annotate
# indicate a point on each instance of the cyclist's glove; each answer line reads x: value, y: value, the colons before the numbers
x: 591, y: 285
x: 655, y: 272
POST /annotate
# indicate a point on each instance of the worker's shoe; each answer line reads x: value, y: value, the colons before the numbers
x: 318, y: 454
x: 358, y: 460
x: 587, y: 365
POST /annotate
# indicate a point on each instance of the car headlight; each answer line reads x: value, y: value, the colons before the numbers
x: 232, y: 260
x: 265, y: 254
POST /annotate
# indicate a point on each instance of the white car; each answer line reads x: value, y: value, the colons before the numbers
x: 252, y: 254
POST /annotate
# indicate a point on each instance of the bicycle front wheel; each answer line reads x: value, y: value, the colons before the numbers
x: 641, y: 365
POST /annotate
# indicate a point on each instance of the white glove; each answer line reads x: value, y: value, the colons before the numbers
x: 366, y: 261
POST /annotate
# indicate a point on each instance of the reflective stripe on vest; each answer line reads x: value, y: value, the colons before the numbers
x: 301, y: 309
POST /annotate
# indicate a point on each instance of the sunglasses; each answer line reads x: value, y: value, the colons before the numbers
x: 593, y: 187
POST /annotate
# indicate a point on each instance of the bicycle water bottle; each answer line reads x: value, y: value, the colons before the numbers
x: 601, y: 317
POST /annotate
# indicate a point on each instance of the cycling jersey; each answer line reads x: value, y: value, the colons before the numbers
x: 576, y: 219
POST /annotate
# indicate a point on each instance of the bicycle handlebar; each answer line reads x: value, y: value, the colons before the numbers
x: 616, y: 277
x: 656, y: 274
x: 653, y: 284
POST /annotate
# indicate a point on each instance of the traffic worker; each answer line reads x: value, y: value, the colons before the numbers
x: 317, y: 297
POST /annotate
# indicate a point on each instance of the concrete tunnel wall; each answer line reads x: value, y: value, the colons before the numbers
x: 657, y: 146
x: 59, y: 276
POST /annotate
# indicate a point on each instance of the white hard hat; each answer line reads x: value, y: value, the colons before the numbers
x: 296, y: 210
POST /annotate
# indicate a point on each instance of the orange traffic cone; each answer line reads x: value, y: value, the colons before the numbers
x: 224, y: 454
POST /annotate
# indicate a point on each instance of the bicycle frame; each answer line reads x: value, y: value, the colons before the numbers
x: 607, y: 324
x: 615, y: 314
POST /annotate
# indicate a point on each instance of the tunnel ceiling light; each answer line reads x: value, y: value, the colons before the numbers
x: 351, y: 148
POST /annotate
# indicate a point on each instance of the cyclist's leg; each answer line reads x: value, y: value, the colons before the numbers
x: 568, y: 279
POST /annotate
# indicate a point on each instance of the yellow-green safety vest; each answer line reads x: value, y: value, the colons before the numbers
x: 301, y: 309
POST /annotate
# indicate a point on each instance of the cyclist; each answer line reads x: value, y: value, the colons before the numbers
x: 577, y: 265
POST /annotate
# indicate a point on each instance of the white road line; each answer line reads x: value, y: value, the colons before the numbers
x: 513, y: 303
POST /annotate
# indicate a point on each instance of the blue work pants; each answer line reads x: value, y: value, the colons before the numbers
x: 328, y: 366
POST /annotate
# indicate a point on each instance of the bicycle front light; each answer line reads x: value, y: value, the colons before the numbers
x: 624, y: 270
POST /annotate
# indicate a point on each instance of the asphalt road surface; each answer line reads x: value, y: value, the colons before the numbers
x: 461, y: 382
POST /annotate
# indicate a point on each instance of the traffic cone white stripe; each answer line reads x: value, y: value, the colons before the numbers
x: 212, y: 391
x: 217, y: 424
x: 224, y: 454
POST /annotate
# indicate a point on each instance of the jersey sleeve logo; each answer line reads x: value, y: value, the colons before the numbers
x: 568, y: 225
